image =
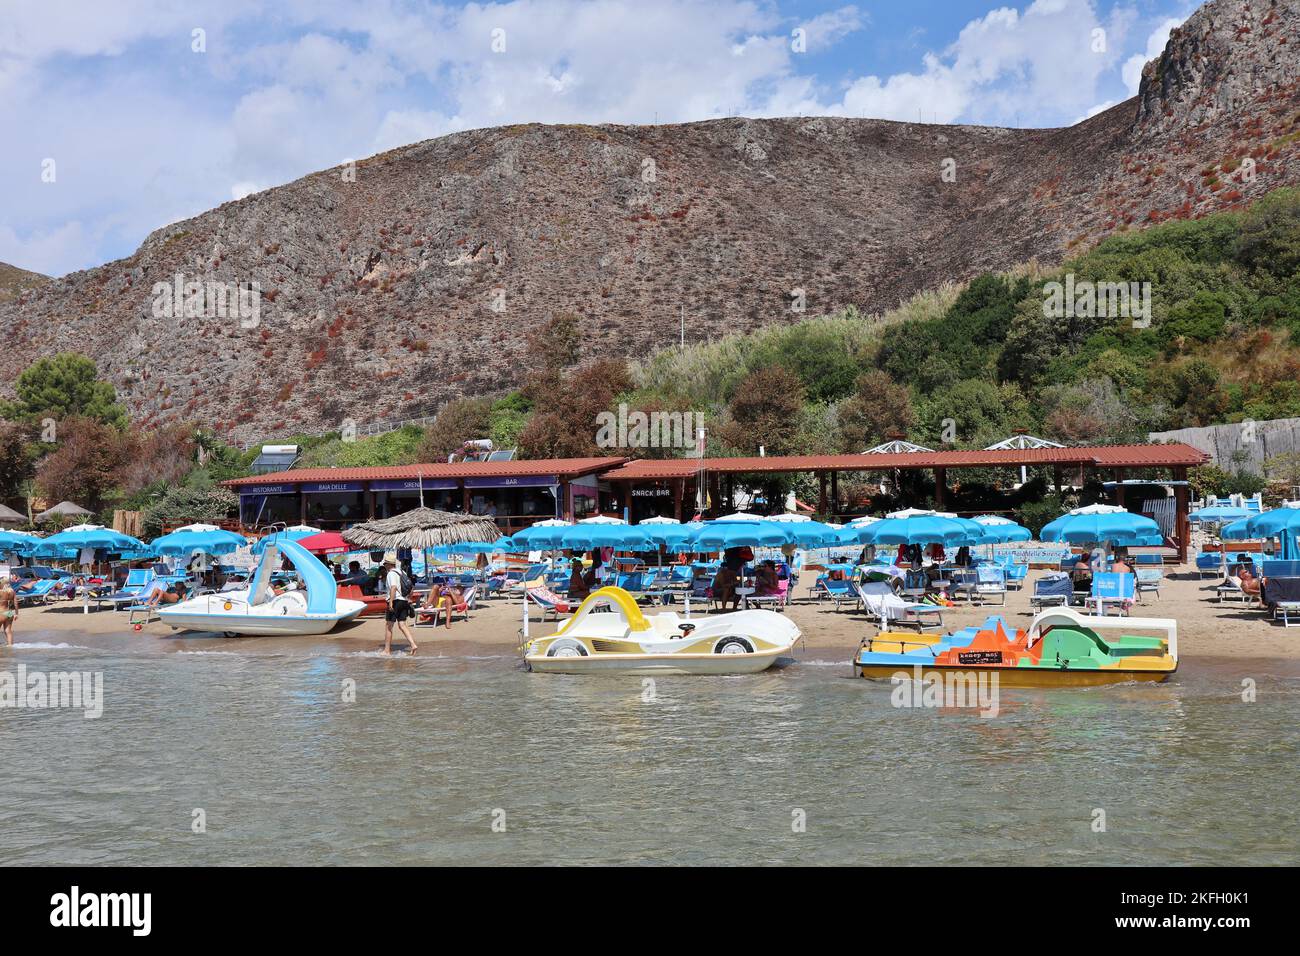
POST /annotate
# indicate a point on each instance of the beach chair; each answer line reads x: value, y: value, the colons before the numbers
x: 1111, y: 590
x: 1016, y: 575
x: 888, y: 609
x: 40, y: 593
x: 915, y: 585
x: 841, y: 592
x: 990, y: 582
x: 1282, y: 597
x: 430, y: 615
x: 550, y: 602
x: 137, y: 583
x: 1052, y: 590
x: 1149, y: 581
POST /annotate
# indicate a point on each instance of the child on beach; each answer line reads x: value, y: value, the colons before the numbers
x: 8, y: 610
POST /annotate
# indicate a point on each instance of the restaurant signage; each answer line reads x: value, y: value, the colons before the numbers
x: 414, y: 484
x: 324, y: 487
x: 268, y: 489
x: 521, y: 481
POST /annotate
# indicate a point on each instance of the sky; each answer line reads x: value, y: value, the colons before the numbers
x: 118, y: 117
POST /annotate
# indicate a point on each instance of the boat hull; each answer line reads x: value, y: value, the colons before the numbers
x: 721, y: 665
x: 261, y: 625
x: 1022, y: 676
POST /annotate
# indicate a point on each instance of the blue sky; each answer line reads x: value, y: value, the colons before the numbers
x: 147, y: 121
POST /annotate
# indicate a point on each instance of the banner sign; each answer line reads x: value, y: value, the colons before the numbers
x: 325, y: 487
x: 414, y: 484
x: 523, y: 481
x: 268, y: 490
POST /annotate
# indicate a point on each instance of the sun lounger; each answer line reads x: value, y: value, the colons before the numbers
x: 550, y: 602
x: 1111, y: 590
x: 1282, y: 596
x: 1149, y: 581
x: 1052, y: 590
x: 137, y: 584
x: 430, y: 615
x: 39, y: 593
x: 880, y: 601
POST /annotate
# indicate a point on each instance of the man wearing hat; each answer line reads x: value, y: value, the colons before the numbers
x: 399, y: 608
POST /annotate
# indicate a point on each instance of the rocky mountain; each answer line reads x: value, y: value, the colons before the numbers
x: 389, y: 287
x: 15, y: 281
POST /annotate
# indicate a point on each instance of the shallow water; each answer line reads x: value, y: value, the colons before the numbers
x: 584, y: 770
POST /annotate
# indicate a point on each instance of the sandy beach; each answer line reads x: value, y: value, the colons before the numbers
x: 1206, y: 627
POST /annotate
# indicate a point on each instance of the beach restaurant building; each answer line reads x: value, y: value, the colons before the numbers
x: 518, y: 493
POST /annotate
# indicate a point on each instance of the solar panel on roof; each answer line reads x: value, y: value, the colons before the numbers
x: 502, y: 454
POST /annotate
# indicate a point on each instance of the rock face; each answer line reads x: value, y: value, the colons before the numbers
x: 389, y: 288
x: 1222, y: 60
x: 15, y: 281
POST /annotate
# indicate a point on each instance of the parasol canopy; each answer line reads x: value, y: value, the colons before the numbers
x: 203, y: 538
x: 419, y: 529
x: 1100, y: 524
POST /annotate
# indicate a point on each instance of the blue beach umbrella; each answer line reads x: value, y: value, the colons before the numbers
x: 70, y: 543
x: 669, y: 535
x: 1283, y: 523
x: 21, y: 544
x: 924, y: 528
x: 720, y: 535
x: 585, y: 537
x: 1102, y: 524
x: 1218, y: 514
x: 205, y: 539
x: 999, y: 530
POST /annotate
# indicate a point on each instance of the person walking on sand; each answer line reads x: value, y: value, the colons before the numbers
x: 399, y: 605
x: 8, y: 610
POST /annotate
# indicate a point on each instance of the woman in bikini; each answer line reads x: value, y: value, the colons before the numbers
x: 8, y: 610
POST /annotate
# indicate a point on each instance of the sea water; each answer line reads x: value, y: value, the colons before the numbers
x: 262, y: 751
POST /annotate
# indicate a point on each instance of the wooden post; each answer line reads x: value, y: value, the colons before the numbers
x: 464, y: 497
x: 679, y: 491
x: 821, y: 494
x: 1182, y: 526
x: 1119, y: 487
x: 835, y: 493
x: 940, y: 481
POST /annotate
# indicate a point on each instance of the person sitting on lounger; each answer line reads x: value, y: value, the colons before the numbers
x: 765, y: 579
x: 724, y: 587
x: 578, y: 586
x: 443, y: 596
x: 1247, y: 581
x: 164, y: 595
x: 355, y: 575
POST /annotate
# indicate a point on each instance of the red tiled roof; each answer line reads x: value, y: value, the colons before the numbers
x: 565, y: 467
x: 1100, y: 456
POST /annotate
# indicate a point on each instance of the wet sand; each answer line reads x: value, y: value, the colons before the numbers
x: 1206, y: 628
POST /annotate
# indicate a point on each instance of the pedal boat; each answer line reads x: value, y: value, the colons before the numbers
x: 1062, y: 648
x: 258, y: 610
x: 609, y: 633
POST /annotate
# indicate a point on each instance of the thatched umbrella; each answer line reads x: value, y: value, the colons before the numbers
x: 64, y: 509
x: 421, y: 529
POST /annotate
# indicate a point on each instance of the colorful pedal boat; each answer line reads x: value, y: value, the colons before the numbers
x: 609, y: 633
x: 1062, y: 648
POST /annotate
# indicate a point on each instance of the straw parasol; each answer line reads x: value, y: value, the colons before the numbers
x: 421, y: 528
x: 64, y: 509
x: 9, y: 516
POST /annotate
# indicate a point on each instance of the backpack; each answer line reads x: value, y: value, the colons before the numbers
x: 407, y: 585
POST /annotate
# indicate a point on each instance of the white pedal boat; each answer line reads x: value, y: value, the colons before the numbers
x: 610, y: 634
x: 258, y: 610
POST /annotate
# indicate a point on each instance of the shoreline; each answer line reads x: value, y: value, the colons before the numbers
x: 1225, y: 631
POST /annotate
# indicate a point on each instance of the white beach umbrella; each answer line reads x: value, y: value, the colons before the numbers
x: 660, y: 519
x: 601, y: 519
x: 788, y: 516
x: 741, y: 516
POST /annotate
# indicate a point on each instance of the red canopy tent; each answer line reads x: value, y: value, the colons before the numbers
x: 326, y: 542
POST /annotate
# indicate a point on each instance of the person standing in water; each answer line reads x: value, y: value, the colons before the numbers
x: 8, y: 610
x: 399, y: 606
